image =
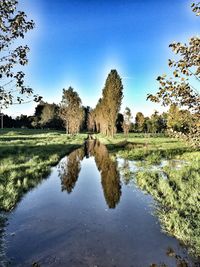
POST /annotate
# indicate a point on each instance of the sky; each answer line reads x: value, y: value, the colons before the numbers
x: 77, y: 42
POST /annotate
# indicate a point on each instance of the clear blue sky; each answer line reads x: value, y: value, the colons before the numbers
x: 77, y: 42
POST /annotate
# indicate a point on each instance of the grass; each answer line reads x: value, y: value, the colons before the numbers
x: 177, y: 192
x: 178, y: 198
x: 148, y: 147
x: 26, y: 157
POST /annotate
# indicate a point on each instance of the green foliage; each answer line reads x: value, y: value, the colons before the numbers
x: 179, y: 120
x: 46, y: 116
x: 105, y: 114
x: 179, y: 89
x: 71, y: 111
x: 26, y: 157
x: 127, y: 120
x: 139, y: 122
x: 13, y: 26
x: 156, y: 123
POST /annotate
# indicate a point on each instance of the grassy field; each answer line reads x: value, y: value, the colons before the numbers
x: 175, y: 189
x: 145, y: 146
x: 26, y: 157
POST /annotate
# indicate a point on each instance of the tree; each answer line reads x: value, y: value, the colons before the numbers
x: 162, y: 122
x: 38, y: 114
x: 112, y: 96
x: 119, y: 122
x: 91, y: 121
x: 186, y: 121
x: 173, y: 118
x: 99, y: 117
x: 156, y: 122
x: 127, y: 120
x: 179, y: 120
x: 139, y: 122
x: 86, y: 118
x: 107, y: 109
x: 49, y: 117
x: 178, y: 89
x: 147, y: 125
x: 9, y: 122
x: 71, y: 111
x: 22, y: 121
x: 13, y: 26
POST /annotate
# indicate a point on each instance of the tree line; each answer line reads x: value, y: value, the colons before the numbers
x: 73, y: 116
x: 70, y: 115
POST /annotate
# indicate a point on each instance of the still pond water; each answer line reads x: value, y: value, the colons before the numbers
x: 84, y: 214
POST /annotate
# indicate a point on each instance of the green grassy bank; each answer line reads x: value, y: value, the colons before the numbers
x: 144, y: 146
x: 178, y: 198
x: 26, y: 157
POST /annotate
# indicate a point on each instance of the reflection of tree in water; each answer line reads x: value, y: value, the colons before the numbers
x: 69, y: 169
x: 110, y: 178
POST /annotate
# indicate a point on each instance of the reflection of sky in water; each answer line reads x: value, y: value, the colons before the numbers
x: 127, y: 168
x: 57, y: 227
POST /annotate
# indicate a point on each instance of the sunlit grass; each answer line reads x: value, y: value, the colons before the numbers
x: 178, y: 198
x: 26, y: 157
x: 143, y: 146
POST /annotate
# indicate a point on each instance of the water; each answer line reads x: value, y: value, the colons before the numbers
x: 85, y: 215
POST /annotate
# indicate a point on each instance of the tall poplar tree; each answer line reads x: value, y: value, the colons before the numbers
x: 71, y: 111
x: 107, y: 109
x: 139, y: 121
x: 112, y: 97
x: 127, y: 120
